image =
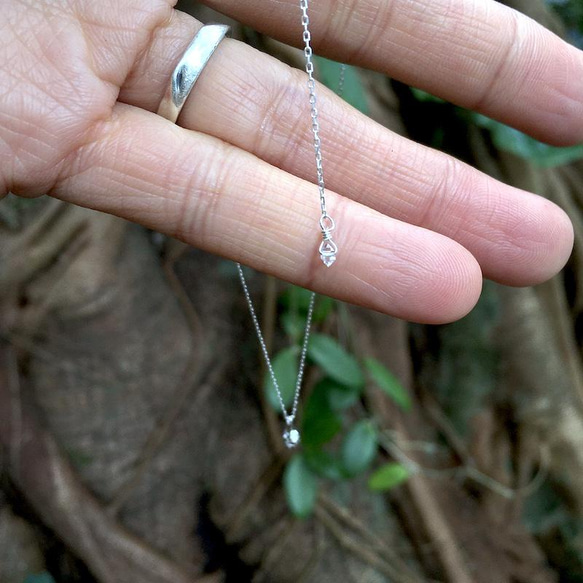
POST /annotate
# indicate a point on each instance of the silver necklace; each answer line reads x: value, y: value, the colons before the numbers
x: 328, y: 249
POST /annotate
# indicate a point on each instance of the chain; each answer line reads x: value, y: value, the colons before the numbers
x: 308, y: 54
x: 327, y: 249
x: 341, y: 80
x: 289, y: 417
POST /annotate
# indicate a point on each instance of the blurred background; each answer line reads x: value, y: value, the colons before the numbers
x: 140, y: 437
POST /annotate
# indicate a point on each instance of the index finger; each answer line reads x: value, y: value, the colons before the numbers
x: 478, y: 54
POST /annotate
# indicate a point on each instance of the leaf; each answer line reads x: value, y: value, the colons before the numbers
x: 340, y: 396
x: 386, y: 381
x: 285, y: 366
x: 296, y: 300
x: 513, y: 141
x: 388, y: 476
x: 320, y: 423
x: 294, y: 325
x: 301, y: 487
x: 423, y: 96
x: 324, y: 464
x: 359, y: 448
x: 44, y: 577
x: 571, y: 13
x: 335, y: 361
x: 323, y: 308
x: 354, y: 93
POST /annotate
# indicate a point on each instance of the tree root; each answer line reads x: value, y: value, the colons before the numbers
x: 38, y: 470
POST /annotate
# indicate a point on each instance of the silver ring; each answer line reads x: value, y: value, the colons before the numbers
x: 189, y: 68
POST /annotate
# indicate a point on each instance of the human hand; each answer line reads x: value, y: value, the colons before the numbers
x: 80, y: 80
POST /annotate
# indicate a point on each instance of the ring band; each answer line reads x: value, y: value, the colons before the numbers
x: 189, y: 68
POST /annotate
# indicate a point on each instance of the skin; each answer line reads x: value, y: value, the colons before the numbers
x: 417, y: 230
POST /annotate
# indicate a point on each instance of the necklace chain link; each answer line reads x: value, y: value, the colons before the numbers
x: 327, y: 249
x: 308, y: 54
x: 289, y: 417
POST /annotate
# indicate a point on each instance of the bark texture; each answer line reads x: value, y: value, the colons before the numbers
x: 136, y: 445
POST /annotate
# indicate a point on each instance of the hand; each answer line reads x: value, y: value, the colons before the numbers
x: 80, y: 80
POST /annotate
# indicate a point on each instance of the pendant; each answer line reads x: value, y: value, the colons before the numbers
x: 328, y: 249
x: 291, y: 437
x: 328, y: 252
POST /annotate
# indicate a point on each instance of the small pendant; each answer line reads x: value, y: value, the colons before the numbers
x: 328, y: 249
x: 328, y: 252
x: 291, y: 437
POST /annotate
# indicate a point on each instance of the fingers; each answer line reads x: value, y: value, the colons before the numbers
x: 478, y: 54
x: 260, y: 105
x: 224, y: 200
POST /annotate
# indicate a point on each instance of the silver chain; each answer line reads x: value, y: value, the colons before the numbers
x: 327, y: 249
x: 308, y: 54
x: 289, y: 417
x: 341, y: 80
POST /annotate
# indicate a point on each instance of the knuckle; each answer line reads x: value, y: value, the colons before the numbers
x: 362, y: 28
x: 446, y: 197
x: 501, y: 65
x: 281, y: 115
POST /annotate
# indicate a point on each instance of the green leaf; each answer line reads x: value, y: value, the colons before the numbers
x: 285, y: 366
x: 423, y: 96
x: 329, y: 74
x: 301, y: 487
x: 324, y: 464
x: 359, y: 448
x: 335, y: 361
x: 340, y: 396
x: 320, y: 423
x: 323, y: 308
x: 386, y: 381
x: 517, y: 143
x: 571, y: 13
x: 44, y: 577
x: 388, y: 476
x: 294, y: 325
x: 296, y: 300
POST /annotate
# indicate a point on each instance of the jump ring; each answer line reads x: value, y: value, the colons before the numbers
x: 327, y: 223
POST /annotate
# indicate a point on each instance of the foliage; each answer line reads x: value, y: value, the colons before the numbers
x: 301, y: 486
x: 511, y: 140
x: 285, y: 366
x: 359, y: 448
x: 571, y: 13
x: 335, y: 447
x: 353, y: 91
x: 508, y: 139
x: 335, y: 361
x: 386, y: 381
x: 320, y: 423
x: 388, y: 476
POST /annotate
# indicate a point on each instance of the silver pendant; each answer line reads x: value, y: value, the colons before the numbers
x: 291, y: 437
x: 328, y: 249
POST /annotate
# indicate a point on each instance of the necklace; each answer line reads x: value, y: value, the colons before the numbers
x: 327, y: 249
